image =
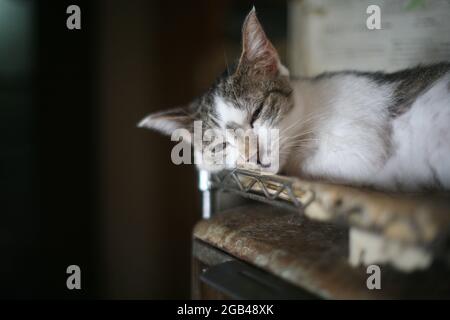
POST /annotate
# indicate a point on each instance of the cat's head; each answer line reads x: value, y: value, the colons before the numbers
x: 254, y: 96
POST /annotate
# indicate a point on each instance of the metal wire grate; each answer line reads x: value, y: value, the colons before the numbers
x: 275, y: 190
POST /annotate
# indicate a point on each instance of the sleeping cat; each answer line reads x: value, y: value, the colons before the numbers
x: 388, y: 131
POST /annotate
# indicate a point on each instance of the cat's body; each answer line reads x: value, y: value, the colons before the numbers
x: 389, y: 131
x: 364, y: 129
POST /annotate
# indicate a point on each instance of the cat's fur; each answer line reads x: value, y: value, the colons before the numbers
x: 389, y: 131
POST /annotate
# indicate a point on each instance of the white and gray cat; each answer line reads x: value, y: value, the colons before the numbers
x: 390, y: 131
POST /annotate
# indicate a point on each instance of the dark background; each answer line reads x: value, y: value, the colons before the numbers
x: 80, y: 184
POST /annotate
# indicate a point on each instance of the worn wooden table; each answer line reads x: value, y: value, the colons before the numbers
x: 259, y: 251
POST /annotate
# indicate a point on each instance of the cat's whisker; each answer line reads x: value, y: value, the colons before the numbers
x: 306, y: 120
x: 302, y: 134
x: 300, y: 141
x: 287, y: 141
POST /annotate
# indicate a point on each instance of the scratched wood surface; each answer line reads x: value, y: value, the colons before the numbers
x: 310, y: 254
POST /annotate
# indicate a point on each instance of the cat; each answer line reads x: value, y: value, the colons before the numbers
x: 389, y: 131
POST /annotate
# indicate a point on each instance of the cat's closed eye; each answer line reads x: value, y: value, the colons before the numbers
x: 256, y: 114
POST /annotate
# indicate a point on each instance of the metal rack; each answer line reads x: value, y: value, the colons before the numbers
x: 419, y: 222
x: 275, y: 190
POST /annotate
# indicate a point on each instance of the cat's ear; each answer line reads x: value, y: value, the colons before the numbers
x: 168, y: 121
x: 257, y: 50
